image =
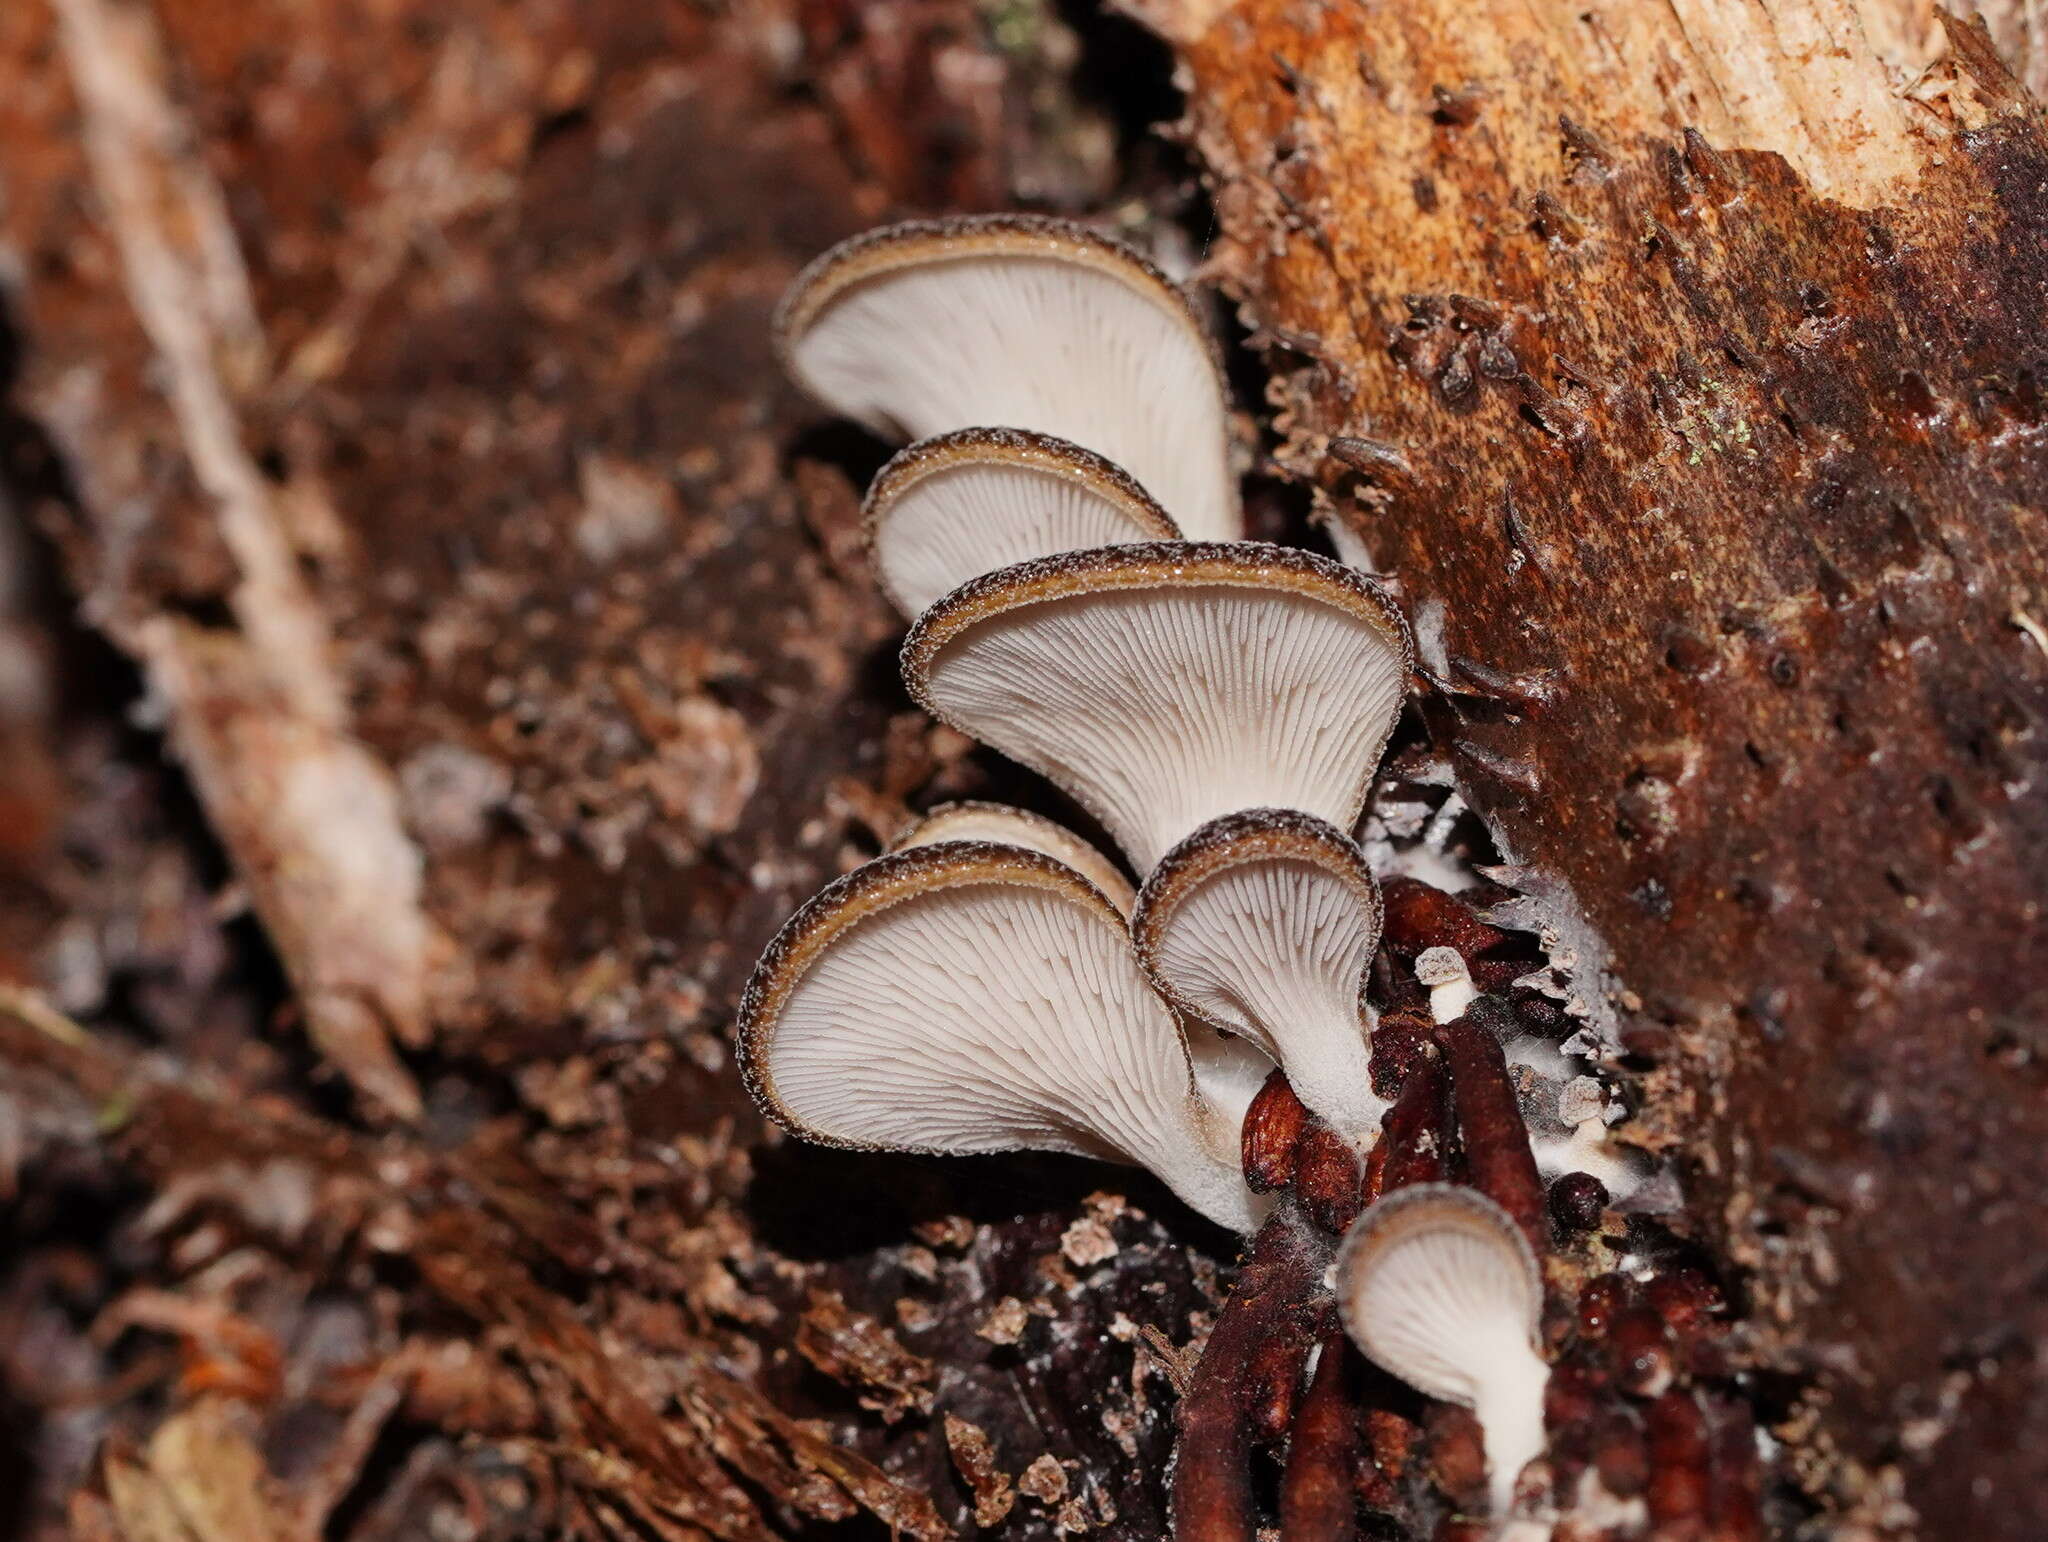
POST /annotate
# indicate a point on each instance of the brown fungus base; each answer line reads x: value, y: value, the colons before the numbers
x: 1651, y: 1426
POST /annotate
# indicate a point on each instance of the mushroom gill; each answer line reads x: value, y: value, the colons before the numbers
x: 967, y: 997
x: 1024, y: 322
x: 1163, y: 685
x: 952, y: 508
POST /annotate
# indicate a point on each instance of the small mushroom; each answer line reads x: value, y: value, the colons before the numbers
x: 1166, y: 684
x: 970, y: 820
x: 1449, y: 979
x: 1027, y: 322
x: 952, y: 508
x: 1582, y: 1109
x: 1437, y: 1285
x: 969, y: 997
x: 1263, y: 924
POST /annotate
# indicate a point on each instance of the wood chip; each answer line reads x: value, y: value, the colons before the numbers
x: 974, y: 1458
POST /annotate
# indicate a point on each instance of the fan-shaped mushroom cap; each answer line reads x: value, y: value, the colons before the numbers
x: 1028, y: 322
x: 952, y: 508
x: 968, y: 997
x: 1003, y: 825
x: 1436, y: 1284
x: 1165, y: 684
x: 1264, y: 923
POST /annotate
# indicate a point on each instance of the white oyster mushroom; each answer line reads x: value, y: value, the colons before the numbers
x: 1437, y: 1285
x: 967, y: 997
x: 1582, y: 1108
x: 1025, y: 322
x: 1164, y: 685
x: 952, y: 508
x: 1449, y: 979
x: 1263, y: 924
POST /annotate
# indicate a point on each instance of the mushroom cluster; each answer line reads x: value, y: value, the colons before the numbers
x: 1065, y: 534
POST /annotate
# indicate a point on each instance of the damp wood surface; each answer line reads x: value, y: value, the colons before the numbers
x: 1681, y: 366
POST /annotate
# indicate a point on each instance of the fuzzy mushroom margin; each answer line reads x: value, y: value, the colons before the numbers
x: 1035, y: 717
x: 1152, y: 409
x: 1126, y: 1091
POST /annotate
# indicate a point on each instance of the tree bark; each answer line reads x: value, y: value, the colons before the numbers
x: 1682, y: 366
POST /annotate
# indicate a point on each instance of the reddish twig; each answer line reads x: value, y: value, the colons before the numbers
x: 1318, y: 1501
x: 1272, y: 1130
x: 1419, y: 916
x: 1329, y: 1181
x: 1733, y: 1512
x: 1679, y: 1483
x: 1233, y: 1385
x: 1498, y: 1160
x: 1411, y: 1143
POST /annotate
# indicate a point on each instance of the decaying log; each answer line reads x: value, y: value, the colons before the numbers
x: 1688, y: 359
x: 393, y: 384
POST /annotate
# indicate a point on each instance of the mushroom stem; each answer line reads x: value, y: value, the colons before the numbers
x: 1199, y: 1160
x: 1510, y: 1413
x: 1337, y: 1084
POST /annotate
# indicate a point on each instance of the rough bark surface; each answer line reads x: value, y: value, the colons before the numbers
x: 1682, y: 365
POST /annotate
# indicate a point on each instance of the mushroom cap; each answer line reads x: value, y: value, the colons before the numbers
x: 1436, y: 1284
x: 1165, y: 684
x: 970, y: 997
x: 1580, y: 1101
x: 971, y: 820
x: 952, y: 508
x: 1263, y: 924
x: 1044, y: 324
x: 1449, y: 978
